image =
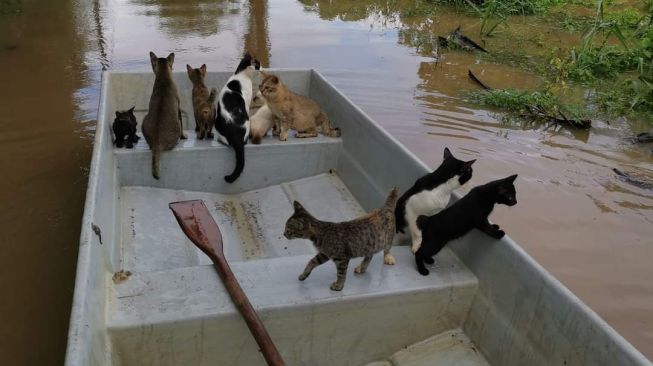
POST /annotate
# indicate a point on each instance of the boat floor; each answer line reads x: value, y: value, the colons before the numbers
x: 252, y: 223
x: 445, y: 349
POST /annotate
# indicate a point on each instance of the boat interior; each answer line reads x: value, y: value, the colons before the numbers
x: 147, y: 296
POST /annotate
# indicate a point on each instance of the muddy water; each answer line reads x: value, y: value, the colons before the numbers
x: 592, y: 231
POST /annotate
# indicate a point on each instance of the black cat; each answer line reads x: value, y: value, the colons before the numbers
x: 466, y: 214
x: 125, y: 126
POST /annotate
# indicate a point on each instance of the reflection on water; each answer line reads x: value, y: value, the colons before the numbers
x: 575, y: 217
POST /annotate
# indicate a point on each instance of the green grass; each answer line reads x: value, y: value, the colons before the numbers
x: 526, y: 102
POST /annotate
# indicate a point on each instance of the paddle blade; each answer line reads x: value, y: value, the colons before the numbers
x: 198, y: 225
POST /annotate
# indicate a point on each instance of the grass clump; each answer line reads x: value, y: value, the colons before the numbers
x: 533, y: 104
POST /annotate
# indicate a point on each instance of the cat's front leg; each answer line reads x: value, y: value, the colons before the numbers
x: 314, y: 262
x: 341, y: 266
x: 415, y: 232
x: 363, y: 266
x: 419, y: 260
x: 388, y: 258
x: 492, y: 230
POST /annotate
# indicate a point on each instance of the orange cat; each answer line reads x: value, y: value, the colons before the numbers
x: 294, y: 111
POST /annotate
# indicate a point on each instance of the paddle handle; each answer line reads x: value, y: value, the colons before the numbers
x: 254, y: 324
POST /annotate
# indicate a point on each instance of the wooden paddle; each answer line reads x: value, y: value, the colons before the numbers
x: 198, y: 225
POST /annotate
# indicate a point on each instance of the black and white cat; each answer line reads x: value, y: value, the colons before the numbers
x: 232, y: 119
x: 430, y: 194
x: 460, y: 218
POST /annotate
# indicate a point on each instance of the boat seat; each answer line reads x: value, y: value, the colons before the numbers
x: 200, y: 165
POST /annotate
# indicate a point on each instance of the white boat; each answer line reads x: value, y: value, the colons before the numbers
x: 486, y: 302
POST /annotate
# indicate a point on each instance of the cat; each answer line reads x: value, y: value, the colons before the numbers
x: 202, y: 102
x: 258, y: 101
x: 124, y: 127
x: 260, y: 124
x: 361, y: 237
x: 162, y: 126
x: 232, y: 119
x: 430, y: 194
x: 294, y: 111
x: 467, y: 213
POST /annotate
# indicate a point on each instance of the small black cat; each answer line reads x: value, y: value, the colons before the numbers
x: 125, y: 126
x: 466, y: 214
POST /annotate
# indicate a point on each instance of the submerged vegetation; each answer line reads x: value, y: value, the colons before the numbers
x: 600, y: 50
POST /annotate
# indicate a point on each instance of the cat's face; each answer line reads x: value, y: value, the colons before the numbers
x: 258, y: 101
x: 249, y: 65
x: 160, y: 64
x: 454, y: 167
x: 297, y: 225
x: 196, y: 75
x: 505, y: 190
x: 125, y: 116
x: 269, y: 86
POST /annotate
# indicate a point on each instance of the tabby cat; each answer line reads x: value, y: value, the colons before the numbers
x: 342, y: 241
x: 460, y: 218
x: 203, y: 100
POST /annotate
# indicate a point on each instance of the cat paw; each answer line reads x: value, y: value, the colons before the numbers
x: 359, y: 270
x: 337, y: 286
x: 429, y: 260
x: 423, y: 271
x: 129, y: 144
x: 183, y: 136
x: 389, y: 259
x: 119, y: 143
x: 303, y: 276
x: 209, y: 135
x: 415, y: 248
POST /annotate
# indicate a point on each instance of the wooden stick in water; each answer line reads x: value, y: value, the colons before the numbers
x: 198, y: 225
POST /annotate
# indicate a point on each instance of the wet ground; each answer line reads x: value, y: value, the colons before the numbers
x: 591, y: 230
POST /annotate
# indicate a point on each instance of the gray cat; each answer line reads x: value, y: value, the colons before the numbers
x: 162, y: 125
x: 342, y: 241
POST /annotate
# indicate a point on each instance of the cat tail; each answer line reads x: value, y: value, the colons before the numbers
x: 155, y: 162
x: 255, y: 137
x: 213, y: 95
x: 322, y: 121
x: 239, y: 148
x: 391, y: 200
x: 421, y: 222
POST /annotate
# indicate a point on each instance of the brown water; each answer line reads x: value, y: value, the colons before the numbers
x: 592, y: 231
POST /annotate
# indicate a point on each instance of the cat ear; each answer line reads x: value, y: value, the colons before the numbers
x: 189, y: 69
x: 274, y: 79
x: 153, y: 60
x: 510, y: 179
x: 171, y: 58
x: 117, y: 114
x: 447, y: 154
x: 203, y: 69
x: 468, y: 164
x: 298, y: 206
x: 131, y: 110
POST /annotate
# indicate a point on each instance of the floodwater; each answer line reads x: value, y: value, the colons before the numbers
x: 591, y: 230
